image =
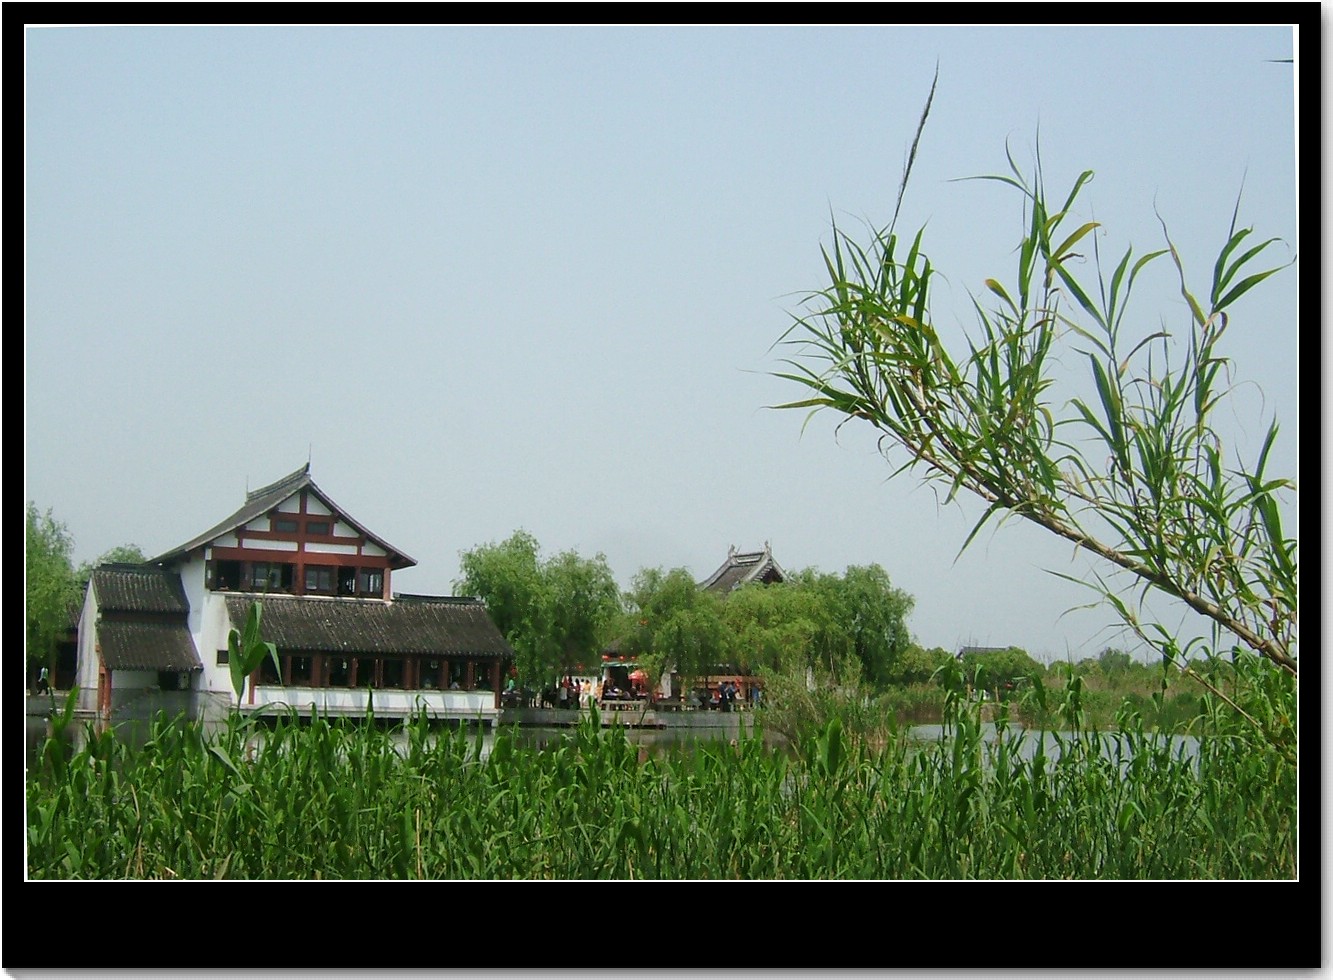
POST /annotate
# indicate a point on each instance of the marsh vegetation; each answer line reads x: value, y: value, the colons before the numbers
x: 319, y: 799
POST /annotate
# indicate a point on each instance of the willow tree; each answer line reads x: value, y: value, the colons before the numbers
x: 50, y: 586
x: 672, y: 625
x: 557, y: 612
x: 1129, y: 468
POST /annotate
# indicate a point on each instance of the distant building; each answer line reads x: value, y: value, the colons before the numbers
x: 743, y: 568
x: 155, y: 635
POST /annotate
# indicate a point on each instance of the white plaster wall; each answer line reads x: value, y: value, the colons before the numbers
x: 268, y: 544
x: 313, y: 505
x: 385, y: 702
x: 292, y: 505
x: 214, y: 628
x: 344, y: 530
x: 208, y: 626
x: 373, y: 549
x: 315, y: 547
x: 226, y: 541
x: 85, y: 673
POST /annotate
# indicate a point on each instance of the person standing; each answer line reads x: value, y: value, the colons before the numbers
x: 42, y: 683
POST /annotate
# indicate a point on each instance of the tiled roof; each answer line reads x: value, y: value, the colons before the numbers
x: 441, y: 625
x: 743, y: 567
x: 147, y: 646
x: 261, y: 501
x: 138, y: 589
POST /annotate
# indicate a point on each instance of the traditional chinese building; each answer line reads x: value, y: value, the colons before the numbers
x: 744, y: 568
x: 155, y: 635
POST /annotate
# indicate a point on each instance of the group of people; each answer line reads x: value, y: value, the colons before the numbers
x: 568, y: 693
x: 728, y: 692
x: 613, y: 692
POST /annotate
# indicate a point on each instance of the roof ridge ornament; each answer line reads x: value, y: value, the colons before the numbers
x: 293, y: 478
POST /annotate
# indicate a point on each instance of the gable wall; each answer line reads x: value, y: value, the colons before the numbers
x: 85, y: 673
x: 344, y: 546
x: 208, y: 623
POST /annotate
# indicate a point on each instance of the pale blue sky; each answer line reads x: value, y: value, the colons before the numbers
x: 500, y: 278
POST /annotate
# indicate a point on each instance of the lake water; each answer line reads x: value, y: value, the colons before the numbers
x: 1025, y: 742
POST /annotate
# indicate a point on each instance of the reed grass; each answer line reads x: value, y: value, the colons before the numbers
x: 320, y: 799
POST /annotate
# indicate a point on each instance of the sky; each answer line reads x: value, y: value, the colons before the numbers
x: 492, y: 278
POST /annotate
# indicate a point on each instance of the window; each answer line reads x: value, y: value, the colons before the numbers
x: 168, y: 680
x: 317, y: 527
x: 223, y: 658
x: 286, y: 525
x: 370, y: 581
x: 224, y: 575
x: 267, y: 673
x: 319, y: 578
x: 394, y: 673
x: 346, y: 581
x: 339, y: 671
x: 271, y: 576
x: 301, y: 671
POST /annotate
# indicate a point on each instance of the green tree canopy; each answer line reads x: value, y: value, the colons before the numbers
x: 813, y: 621
x: 860, y: 618
x: 584, y: 605
x: 51, y: 587
x: 992, y: 669
x: 773, y: 628
x: 1114, y: 663
x: 917, y: 665
x: 129, y: 554
x: 555, y: 613
x: 673, y: 624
